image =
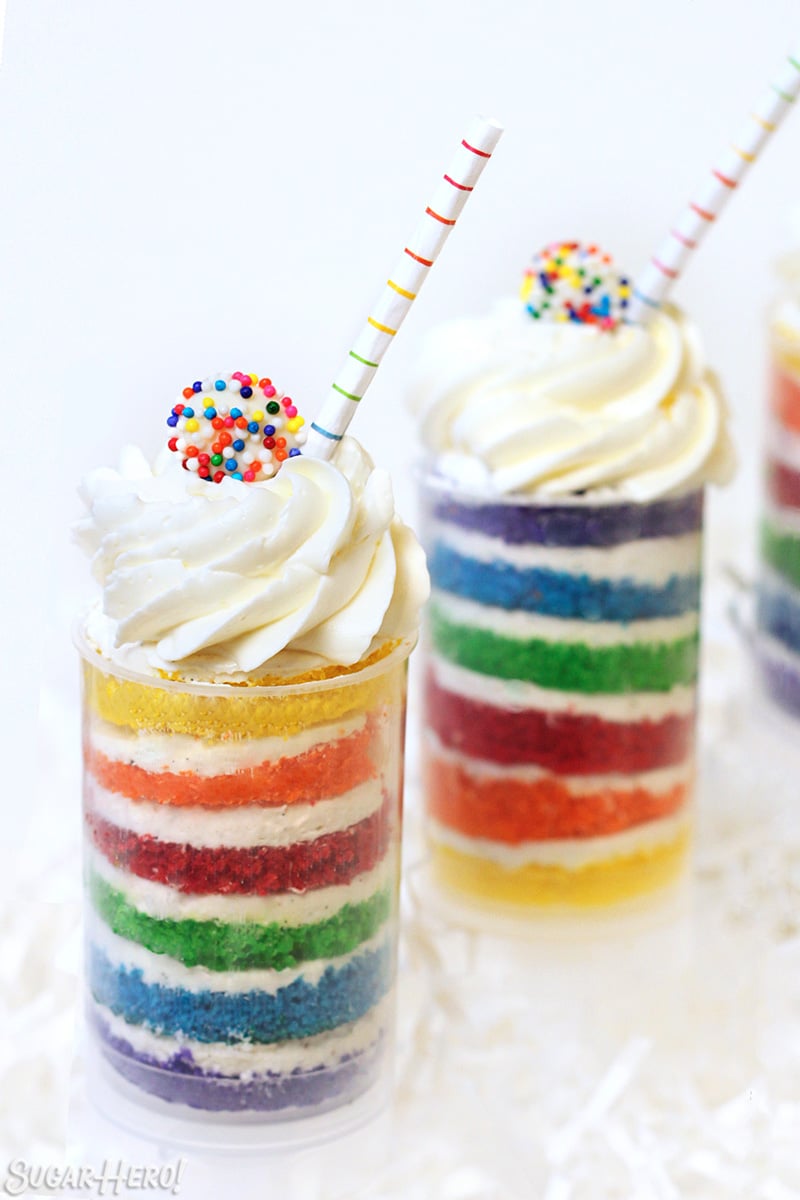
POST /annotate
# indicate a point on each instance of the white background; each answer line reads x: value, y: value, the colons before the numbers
x: 190, y: 186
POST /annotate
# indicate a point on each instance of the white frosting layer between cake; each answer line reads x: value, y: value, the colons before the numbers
x: 168, y: 972
x: 778, y: 653
x: 659, y: 781
x: 775, y: 584
x: 650, y: 560
x: 785, y: 520
x: 517, y: 694
x: 246, y: 827
x: 249, y: 1059
x: 528, y: 625
x: 570, y: 853
x: 289, y: 908
x: 783, y: 444
x: 178, y: 752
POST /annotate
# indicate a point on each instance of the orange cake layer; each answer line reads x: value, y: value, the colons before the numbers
x: 518, y: 810
x: 326, y: 770
x: 786, y: 398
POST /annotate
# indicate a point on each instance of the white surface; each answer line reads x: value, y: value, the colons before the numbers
x: 193, y: 187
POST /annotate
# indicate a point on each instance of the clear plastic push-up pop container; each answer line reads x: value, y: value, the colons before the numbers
x: 244, y: 685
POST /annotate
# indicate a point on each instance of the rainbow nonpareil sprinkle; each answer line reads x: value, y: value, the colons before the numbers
x: 571, y: 282
x: 235, y: 426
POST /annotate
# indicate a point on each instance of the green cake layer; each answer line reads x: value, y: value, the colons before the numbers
x: 568, y: 666
x: 246, y: 945
x: 782, y: 551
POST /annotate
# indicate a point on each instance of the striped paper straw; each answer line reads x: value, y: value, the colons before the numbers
x: 669, y: 260
x: 402, y: 287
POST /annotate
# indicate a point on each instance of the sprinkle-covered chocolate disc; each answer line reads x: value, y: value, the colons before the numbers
x: 570, y: 282
x: 235, y: 425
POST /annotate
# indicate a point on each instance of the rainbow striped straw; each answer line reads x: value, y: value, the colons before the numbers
x: 402, y: 287
x: 669, y: 260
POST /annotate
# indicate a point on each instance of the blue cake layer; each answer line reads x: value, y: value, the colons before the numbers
x: 779, y: 615
x: 299, y: 1010
x: 558, y: 594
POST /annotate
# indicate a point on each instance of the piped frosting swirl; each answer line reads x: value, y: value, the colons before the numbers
x: 511, y: 405
x: 307, y: 569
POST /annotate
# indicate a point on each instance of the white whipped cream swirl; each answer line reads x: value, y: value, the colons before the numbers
x: 308, y: 569
x: 510, y: 404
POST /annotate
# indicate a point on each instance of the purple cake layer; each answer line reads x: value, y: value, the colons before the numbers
x: 574, y: 525
x: 782, y: 683
x: 179, y: 1080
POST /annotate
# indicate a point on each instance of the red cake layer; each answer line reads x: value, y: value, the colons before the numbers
x: 334, y: 858
x: 326, y: 770
x: 516, y: 810
x: 566, y: 743
x: 783, y: 484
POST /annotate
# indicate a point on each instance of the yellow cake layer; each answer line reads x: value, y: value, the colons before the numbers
x: 536, y: 884
x: 787, y: 354
x: 241, y: 711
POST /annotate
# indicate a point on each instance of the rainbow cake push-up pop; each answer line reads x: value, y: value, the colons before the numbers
x: 244, y: 699
x: 569, y: 439
x: 778, y: 644
x: 564, y: 511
